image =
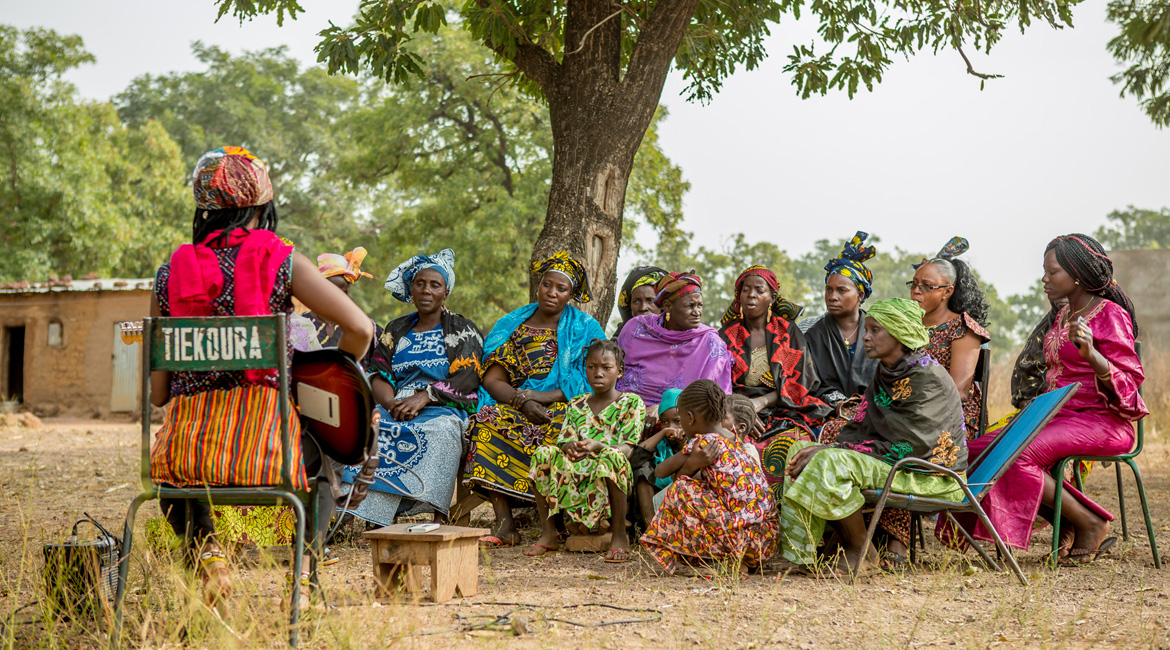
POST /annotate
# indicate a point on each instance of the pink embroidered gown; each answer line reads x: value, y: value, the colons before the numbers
x: 1097, y: 421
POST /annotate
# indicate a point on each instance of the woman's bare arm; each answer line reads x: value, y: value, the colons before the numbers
x: 964, y: 358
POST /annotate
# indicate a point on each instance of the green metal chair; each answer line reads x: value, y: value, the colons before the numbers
x: 164, y: 345
x: 1128, y: 459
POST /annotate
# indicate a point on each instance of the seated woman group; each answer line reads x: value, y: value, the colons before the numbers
x: 719, y: 439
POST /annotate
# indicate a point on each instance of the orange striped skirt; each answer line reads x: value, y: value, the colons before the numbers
x: 225, y: 437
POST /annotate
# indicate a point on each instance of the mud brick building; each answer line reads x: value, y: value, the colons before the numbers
x: 60, y: 352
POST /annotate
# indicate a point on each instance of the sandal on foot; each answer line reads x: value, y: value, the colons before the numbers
x: 303, y: 596
x: 617, y: 555
x: 1085, y: 556
x: 540, y: 550
x: 491, y: 541
x: 892, y: 561
x: 217, y: 581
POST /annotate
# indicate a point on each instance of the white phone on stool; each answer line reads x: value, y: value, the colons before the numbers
x: 422, y: 528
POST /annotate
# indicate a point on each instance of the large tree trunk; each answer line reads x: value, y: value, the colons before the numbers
x: 598, y: 119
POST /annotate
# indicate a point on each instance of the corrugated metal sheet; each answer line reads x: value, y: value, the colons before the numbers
x: 127, y: 386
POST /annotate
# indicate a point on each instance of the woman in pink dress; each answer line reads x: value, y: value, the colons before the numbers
x: 1091, y: 342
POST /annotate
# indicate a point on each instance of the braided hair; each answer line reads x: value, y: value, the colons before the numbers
x: 228, y: 219
x: 1085, y: 260
x: 610, y: 346
x: 705, y: 398
x: 967, y: 296
x: 742, y: 410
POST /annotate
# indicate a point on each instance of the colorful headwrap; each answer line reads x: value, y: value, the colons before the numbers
x: 851, y: 264
x: 570, y: 268
x: 781, y: 306
x: 641, y: 276
x: 669, y: 400
x: 230, y: 177
x: 348, y: 265
x: 955, y: 247
x: 399, y: 281
x: 902, y: 318
x: 676, y: 285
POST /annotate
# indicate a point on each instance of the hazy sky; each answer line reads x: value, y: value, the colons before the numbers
x: 1047, y: 150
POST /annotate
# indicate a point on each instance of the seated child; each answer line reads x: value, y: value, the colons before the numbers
x: 718, y: 508
x: 666, y: 440
x: 911, y: 408
x: 586, y: 474
x: 743, y: 418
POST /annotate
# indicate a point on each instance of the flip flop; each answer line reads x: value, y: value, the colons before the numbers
x: 544, y: 550
x: 617, y: 556
x: 1072, y: 559
x: 491, y: 541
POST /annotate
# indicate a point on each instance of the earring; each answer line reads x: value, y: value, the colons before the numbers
x: 668, y: 317
x: 1076, y: 281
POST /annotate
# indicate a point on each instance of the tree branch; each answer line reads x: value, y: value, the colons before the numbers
x: 585, y: 36
x: 531, y: 59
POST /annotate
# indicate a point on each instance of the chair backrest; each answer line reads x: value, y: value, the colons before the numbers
x: 1011, y: 442
x: 216, y: 343
x: 1141, y: 424
x: 982, y: 377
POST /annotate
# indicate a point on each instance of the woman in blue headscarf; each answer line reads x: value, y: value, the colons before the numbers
x: 425, y: 378
x: 833, y: 338
x: 533, y: 365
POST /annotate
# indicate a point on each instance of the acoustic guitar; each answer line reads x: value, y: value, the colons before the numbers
x: 330, y: 392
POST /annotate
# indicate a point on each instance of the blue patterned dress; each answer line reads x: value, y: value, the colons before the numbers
x: 430, y: 444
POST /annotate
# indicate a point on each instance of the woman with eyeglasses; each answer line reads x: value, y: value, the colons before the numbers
x: 956, y: 317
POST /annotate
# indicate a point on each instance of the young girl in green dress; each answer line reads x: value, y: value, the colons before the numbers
x: 586, y: 474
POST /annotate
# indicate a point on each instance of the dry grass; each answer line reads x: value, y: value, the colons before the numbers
x: 70, y: 467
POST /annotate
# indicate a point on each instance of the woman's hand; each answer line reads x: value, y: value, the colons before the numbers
x: 797, y: 463
x: 758, y: 429
x: 535, y: 413
x: 1081, y: 336
x: 407, y: 409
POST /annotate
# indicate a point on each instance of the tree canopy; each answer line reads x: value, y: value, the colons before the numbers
x: 1135, y: 228
x: 1143, y: 46
x: 82, y: 192
x: 600, y: 66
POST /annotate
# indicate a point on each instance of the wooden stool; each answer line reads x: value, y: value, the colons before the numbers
x: 452, y: 552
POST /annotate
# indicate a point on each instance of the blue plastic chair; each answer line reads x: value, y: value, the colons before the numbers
x: 1128, y: 459
x: 983, y: 472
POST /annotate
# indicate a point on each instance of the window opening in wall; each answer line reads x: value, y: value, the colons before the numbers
x: 56, y: 334
x: 13, y: 387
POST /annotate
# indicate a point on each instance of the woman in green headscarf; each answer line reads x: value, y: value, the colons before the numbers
x: 911, y: 409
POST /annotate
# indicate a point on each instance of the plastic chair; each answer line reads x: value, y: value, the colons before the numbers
x: 1128, y: 459
x: 985, y: 471
x: 160, y: 352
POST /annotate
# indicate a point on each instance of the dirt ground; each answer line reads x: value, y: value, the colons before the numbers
x: 48, y: 476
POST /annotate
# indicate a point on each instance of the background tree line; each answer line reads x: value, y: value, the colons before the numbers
x: 452, y: 160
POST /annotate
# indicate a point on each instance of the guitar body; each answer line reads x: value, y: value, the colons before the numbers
x: 335, y: 402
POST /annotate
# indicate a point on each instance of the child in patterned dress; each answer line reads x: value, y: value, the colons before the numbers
x: 719, y: 508
x: 587, y: 475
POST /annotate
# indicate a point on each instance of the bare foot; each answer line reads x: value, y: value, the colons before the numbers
x: 868, y: 563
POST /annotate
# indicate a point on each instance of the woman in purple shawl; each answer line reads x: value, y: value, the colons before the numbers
x: 674, y: 348
x: 1091, y: 342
